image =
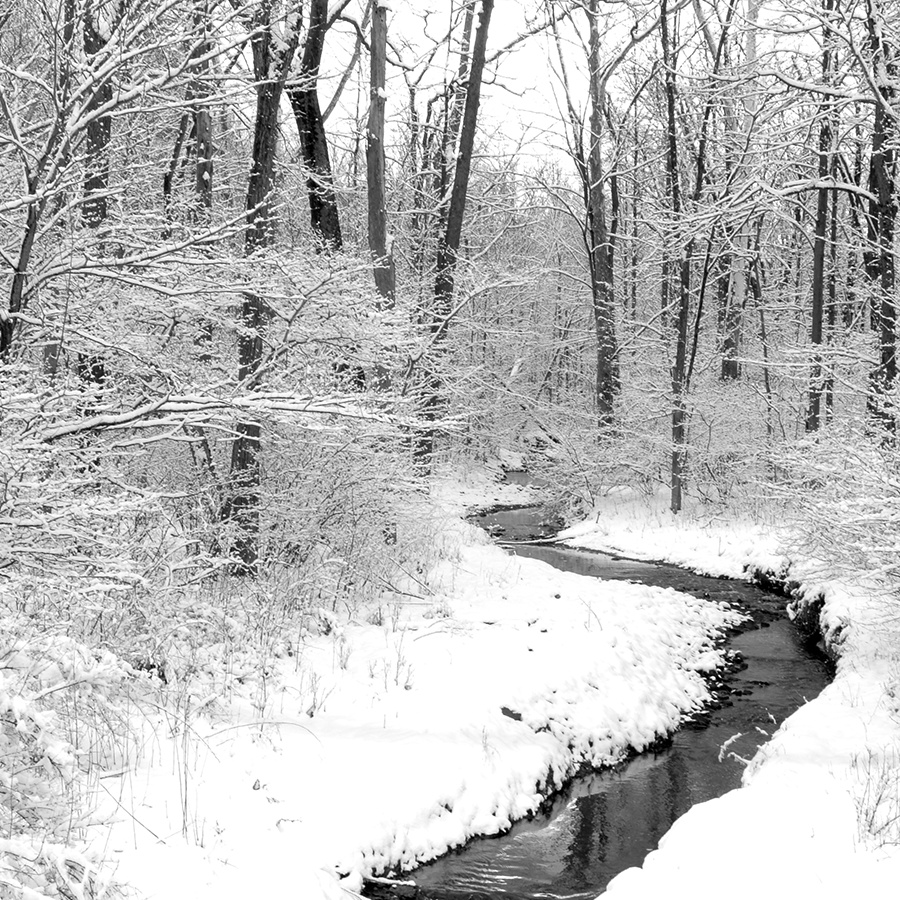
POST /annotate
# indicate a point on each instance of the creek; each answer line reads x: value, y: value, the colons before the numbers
x: 608, y: 821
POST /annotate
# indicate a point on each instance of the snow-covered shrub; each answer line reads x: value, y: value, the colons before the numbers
x: 342, y: 510
x: 44, y: 870
x: 877, y: 796
x: 845, y: 488
x: 63, y: 719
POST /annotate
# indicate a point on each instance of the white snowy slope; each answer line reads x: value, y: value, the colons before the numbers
x: 389, y: 741
x: 819, y: 812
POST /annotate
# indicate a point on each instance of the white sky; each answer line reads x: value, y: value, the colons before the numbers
x: 518, y: 100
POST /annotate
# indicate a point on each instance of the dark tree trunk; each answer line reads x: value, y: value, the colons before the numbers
x: 382, y: 256
x: 732, y: 317
x: 831, y: 306
x: 203, y: 131
x: 635, y: 218
x: 454, y: 105
x: 756, y: 289
x: 241, y: 509
x: 881, y: 223
x: 816, y: 387
x: 323, y: 208
x: 8, y: 322
x: 448, y: 247
x: 168, y: 183
x: 95, y: 208
x: 606, y: 385
x: 679, y: 369
x: 60, y: 141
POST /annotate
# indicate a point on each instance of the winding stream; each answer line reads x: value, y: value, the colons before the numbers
x: 608, y: 821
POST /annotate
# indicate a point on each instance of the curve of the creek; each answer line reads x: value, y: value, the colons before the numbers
x: 610, y: 820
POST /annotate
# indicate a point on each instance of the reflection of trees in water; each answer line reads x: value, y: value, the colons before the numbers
x: 623, y: 821
x: 589, y: 836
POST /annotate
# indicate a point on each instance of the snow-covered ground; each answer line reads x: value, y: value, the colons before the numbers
x: 819, y: 812
x: 404, y: 730
x: 333, y: 744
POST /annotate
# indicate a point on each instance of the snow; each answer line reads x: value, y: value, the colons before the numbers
x: 407, y: 730
x: 817, y: 812
x: 369, y: 739
x: 643, y: 528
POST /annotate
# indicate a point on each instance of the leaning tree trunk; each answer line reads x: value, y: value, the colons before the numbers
x: 323, y: 208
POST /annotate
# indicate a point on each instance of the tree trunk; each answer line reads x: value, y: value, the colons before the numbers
x: 635, y: 218
x: 323, y: 208
x: 606, y: 385
x: 736, y: 299
x: 203, y: 133
x: 881, y: 221
x: 241, y: 509
x: 814, y: 413
x: 831, y: 305
x: 95, y: 208
x: 679, y: 369
x: 756, y: 288
x: 454, y: 105
x: 448, y: 247
x: 379, y: 245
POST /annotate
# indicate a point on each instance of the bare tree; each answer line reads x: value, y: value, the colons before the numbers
x: 586, y: 147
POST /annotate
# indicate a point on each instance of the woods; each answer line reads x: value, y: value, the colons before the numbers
x: 271, y: 269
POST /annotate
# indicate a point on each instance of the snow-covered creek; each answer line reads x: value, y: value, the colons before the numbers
x: 608, y: 821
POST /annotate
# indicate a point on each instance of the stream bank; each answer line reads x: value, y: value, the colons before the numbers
x: 608, y: 821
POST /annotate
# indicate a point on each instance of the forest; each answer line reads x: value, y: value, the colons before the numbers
x: 276, y: 272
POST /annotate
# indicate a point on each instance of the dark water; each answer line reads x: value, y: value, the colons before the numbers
x: 610, y: 820
x: 514, y: 476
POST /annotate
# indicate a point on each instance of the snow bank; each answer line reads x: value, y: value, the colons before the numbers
x: 643, y: 528
x: 406, y: 730
x: 817, y: 813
